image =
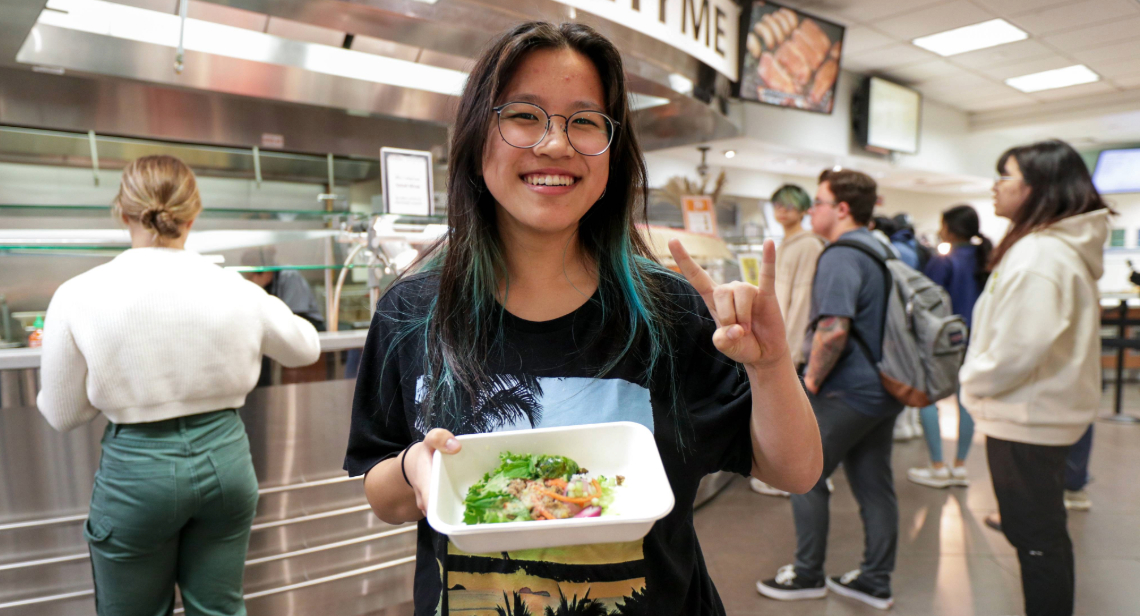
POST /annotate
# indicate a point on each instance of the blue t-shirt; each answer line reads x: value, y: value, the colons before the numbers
x: 850, y: 284
x: 955, y: 273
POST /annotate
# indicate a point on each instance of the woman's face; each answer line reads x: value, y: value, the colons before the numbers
x: 787, y: 216
x: 1010, y: 190
x: 550, y: 187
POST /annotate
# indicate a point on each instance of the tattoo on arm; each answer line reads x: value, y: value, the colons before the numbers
x: 827, y: 347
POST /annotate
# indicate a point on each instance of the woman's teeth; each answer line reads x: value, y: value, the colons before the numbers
x: 549, y: 180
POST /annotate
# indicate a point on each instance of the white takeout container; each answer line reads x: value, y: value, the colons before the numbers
x: 610, y: 449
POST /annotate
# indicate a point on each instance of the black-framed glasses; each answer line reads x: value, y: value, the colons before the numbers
x: 525, y: 125
x: 819, y: 202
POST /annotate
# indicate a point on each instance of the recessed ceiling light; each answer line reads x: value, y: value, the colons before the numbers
x: 730, y: 154
x: 972, y: 38
x: 1057, y: 78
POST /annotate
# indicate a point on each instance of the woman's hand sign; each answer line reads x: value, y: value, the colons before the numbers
x: 750, y: 329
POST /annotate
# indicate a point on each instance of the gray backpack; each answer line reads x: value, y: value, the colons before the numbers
x: 924, y: 342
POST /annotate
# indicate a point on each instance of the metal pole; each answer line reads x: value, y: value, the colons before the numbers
x: 1118, y: 415
x: 94, y: 156
x: 179, y: 56
x: 257, y: 165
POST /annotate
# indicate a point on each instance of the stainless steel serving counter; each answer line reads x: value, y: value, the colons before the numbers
x: 316, y: 548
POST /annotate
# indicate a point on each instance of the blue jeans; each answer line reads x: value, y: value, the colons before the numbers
x: 1077, y: 462
x: 933, y: 434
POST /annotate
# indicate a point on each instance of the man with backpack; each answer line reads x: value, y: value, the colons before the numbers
x: 855, y: 412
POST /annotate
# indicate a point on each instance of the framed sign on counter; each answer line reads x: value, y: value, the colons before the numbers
x: 699, y: 214
x: 406, y: 179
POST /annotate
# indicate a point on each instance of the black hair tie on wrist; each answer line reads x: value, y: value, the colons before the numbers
x: 404, y: 456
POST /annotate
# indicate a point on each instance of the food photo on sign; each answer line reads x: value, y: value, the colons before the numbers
x: 789, y: 58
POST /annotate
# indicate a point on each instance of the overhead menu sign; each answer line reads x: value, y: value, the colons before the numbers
x: 406, y: 176
x: 708, y: 30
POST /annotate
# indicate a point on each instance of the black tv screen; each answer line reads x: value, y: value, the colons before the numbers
x: 789, y: 58
x: 1117, y: 171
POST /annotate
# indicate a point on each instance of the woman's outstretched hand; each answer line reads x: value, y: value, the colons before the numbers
x: 750, y: 329
x: 418, y: 462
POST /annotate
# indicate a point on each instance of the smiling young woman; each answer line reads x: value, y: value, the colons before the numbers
x: 543, y: 307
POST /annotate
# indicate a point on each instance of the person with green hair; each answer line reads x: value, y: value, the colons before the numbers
x: 795, y: 269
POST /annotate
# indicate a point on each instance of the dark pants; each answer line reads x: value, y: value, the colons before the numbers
x: 1077, y: 463
x: 1029, y: 481
x: 863, y: 444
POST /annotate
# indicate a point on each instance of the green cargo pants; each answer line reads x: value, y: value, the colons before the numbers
x: 173, y: 504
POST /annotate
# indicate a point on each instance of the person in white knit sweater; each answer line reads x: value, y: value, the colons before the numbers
x: 166, y: 345
x: 1032, y: 373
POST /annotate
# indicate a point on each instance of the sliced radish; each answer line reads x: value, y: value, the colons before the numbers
x: 589, y: 512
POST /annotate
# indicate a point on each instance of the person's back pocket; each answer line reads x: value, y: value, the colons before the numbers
x: 236, y: 478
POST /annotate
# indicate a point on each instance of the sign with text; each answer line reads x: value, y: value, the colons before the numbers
x: 406, y: 179
x: 708, y: 30
x: 700, y: 215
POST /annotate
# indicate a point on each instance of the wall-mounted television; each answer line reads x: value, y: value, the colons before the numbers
x: 1117, y: 171
x: 887, y: 117
x: 788, y: 58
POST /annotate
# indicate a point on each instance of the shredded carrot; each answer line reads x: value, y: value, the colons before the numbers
x: 566, y: 499
x: 542, y: 513
x: 558, y: 483
x: 597, y: 488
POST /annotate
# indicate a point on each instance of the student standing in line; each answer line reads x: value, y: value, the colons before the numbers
x: 1032, y: 372
x: 543, y: 307
x: 963, y: 273
x: 166, y: 345
x: 796, y: 259
x: 855, y: 413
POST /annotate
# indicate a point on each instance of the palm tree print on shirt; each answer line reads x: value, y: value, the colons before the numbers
x: 508, y: 399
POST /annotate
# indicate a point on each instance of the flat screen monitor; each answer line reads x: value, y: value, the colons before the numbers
x: 1117, y: 171
x: 789, y: 58
x: 887, y: 117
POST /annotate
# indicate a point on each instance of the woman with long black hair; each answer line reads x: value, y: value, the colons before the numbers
x: 544, y: 307
x: 1032, y: 372
x: 963, y: 273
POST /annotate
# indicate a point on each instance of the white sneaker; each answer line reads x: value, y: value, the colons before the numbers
x: 1077, y: 501
x: 760, y: 487
x: 903, y: 430
x: 958, y: 475
x: 915, y: 421
x: 931, y: 477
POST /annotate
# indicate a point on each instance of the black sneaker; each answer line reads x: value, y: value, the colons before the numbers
x: 787, y: 586
x: 849, y: 585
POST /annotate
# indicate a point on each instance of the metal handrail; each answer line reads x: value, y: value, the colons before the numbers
x: 309, y: 518
x: 83, y: 517
x: 27, y: 564
x: 253, y: 595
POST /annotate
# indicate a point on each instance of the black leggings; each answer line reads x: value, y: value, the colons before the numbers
x: 1029, y: 481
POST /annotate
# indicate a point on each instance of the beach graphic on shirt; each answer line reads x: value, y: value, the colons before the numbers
x: 590, y: 580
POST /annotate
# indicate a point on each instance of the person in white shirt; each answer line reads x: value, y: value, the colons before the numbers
x: 165, y: 345
x: 1031, y: 377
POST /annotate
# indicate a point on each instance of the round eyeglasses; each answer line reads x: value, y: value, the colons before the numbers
x: 524, y: 125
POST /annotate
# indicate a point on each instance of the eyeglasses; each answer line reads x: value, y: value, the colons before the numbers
x: 819, y: 202
x: 523, y: 126
x: 998, y: 179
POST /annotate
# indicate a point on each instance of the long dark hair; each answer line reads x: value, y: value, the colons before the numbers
x: 463, y: 323
x: 1059, y: 187
x: 962, y: 221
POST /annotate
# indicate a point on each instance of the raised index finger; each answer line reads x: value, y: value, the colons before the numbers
x: 696, y: 276
x: 768, y: 268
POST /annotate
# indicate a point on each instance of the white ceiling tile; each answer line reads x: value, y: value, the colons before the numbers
x: 1128, y: 83
x: 1005, y: 71
x: 1087, y: 89
x: 1076, y: 15
x: 1114, y: 52
x: 1016, y: 7
x: 963, y: 82
x: 1017, y: 99
x: 1115, y: 69
x: 926, y: 71
x: 861, y: 38
x: 1003, y: 54
x: 932, y: 19
x: 899, y: 54
x: 863, y: 11
x: 1097, y: 36
x: 967, y: 93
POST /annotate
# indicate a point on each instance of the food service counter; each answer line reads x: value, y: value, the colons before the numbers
x: 316, y: 548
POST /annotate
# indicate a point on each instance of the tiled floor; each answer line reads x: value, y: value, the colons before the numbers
x: 949, y: 562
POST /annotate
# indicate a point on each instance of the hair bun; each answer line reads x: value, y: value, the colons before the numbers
x: 160, y: 220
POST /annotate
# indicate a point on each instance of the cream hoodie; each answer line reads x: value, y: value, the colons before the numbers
x: 1032, y: 371
x: 795, y: 271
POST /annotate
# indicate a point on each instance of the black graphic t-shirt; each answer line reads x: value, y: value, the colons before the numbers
x: 545, y: 375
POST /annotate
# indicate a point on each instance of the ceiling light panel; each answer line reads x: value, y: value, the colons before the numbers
x: 972, y: 38
x: 1056, y: 78
x: 130, y: 23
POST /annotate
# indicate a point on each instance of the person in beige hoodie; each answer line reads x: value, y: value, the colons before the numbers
x: 1031, y: 377
x: 795, y: 269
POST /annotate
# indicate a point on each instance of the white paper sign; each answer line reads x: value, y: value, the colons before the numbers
x: 708, y: 30
x: 406, y: 177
